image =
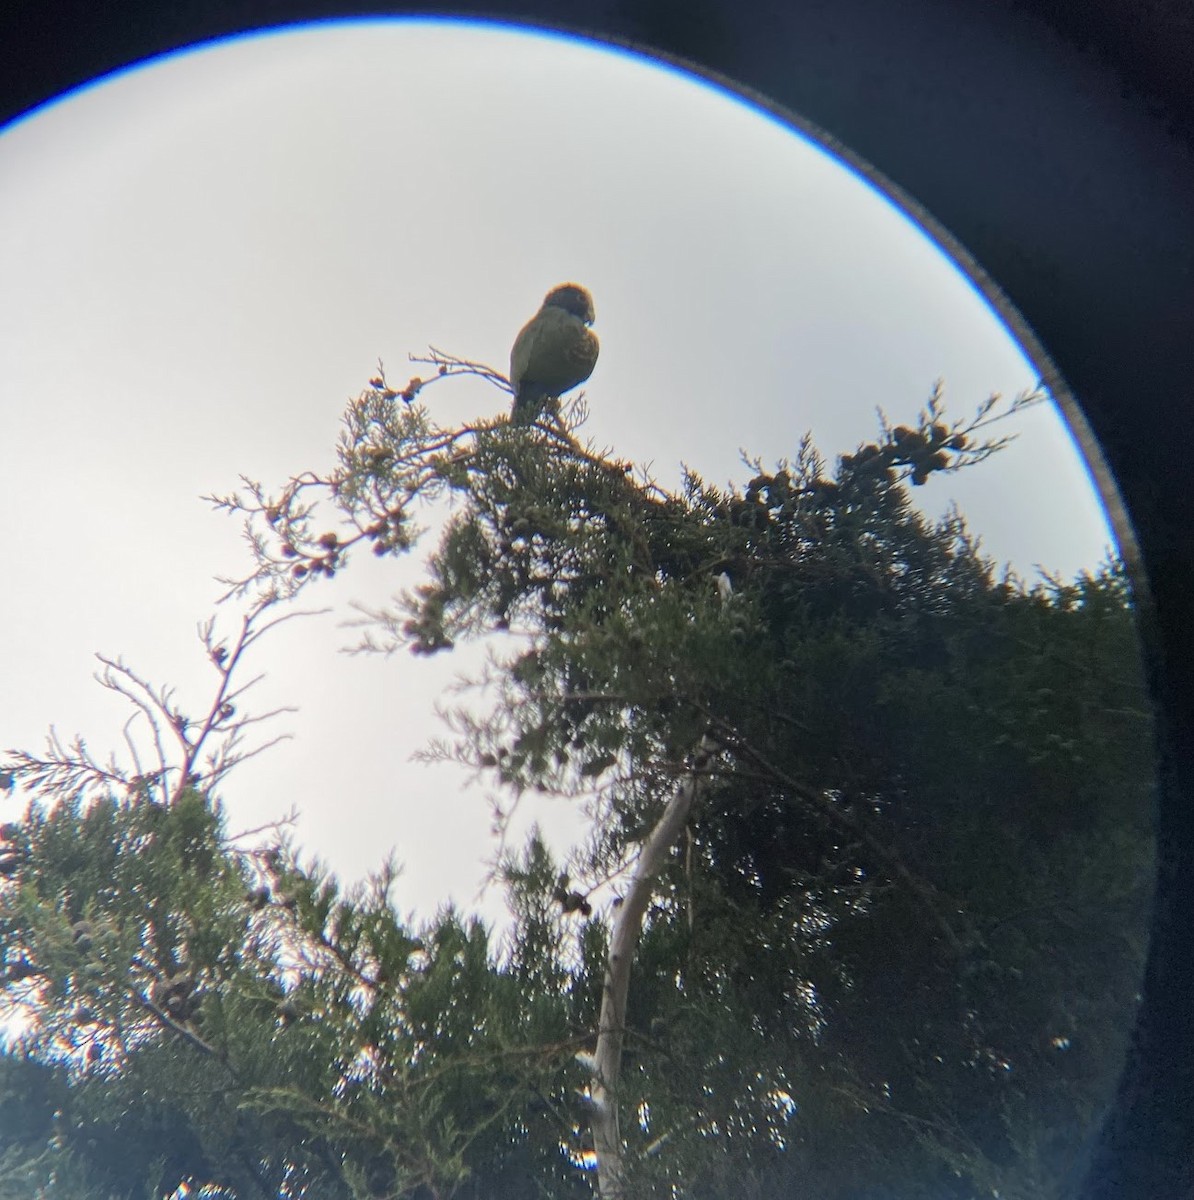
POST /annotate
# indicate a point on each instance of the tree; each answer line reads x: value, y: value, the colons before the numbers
x: 866, y: 880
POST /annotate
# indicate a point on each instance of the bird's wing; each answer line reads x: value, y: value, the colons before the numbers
x: 539, y: 344
x: 523, y: 349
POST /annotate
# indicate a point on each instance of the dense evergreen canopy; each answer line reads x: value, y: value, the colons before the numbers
x: 894, y: 952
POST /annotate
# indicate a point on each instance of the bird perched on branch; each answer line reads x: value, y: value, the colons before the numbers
x: 554, y: 352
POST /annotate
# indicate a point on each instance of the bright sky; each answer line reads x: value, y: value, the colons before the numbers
x: 201, y: 260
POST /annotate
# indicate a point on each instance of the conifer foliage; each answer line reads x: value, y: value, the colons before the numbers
x: 861, y: 912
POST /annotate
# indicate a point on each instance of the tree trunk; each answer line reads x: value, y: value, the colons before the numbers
x: 607, y: 1062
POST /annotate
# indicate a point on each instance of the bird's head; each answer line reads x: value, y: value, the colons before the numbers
x: 572, y: 298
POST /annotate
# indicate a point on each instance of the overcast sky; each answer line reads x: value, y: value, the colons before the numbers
x: 201, y: 260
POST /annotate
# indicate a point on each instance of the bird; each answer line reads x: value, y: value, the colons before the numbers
x: 554, y: 352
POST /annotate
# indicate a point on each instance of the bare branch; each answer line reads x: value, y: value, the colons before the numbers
x: 182, y: 1030
x: 290, y: 819
x: 448, y: 365
x: 216, y: 740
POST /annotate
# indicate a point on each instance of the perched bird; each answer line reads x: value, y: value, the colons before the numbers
x: 554, y: 352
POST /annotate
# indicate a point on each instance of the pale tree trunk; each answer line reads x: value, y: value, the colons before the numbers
x: 607, y: 1061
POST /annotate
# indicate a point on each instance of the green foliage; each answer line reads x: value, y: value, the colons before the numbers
x: 317, y: 1046
x: 897, y: 953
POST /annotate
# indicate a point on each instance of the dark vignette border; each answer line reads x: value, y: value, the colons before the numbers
x: 1054, y: 140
